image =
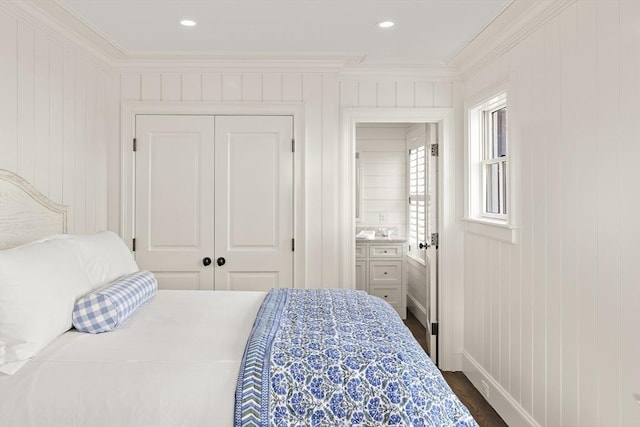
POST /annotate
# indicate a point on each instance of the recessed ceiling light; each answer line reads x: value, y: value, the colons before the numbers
x: 386, y: 24
x: 188, y: 23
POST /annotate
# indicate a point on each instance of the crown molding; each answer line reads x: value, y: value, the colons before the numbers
x: 56, y: 20
x: 235, y: 62
x: 30, y: 12
x: 512, y: 26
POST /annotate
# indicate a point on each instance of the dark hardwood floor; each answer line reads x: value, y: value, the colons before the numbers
x: 484, y: 414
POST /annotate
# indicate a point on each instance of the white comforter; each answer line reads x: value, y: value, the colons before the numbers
x: 174, y: 363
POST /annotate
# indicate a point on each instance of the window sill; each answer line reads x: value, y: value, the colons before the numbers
x: 492, y: 229
x: 417, y: 260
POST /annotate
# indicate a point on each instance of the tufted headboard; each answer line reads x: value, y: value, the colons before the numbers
x: 26, y: 214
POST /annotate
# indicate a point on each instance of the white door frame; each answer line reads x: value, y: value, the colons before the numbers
x: 129, y: 110
x: 450, y: 248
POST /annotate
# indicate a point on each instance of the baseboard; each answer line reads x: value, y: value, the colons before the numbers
x: 504, y: 404
x: 417, y: 309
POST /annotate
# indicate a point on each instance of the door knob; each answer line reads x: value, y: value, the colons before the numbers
x: 220, y: 261
x: 423, y: 246
x: 206, y: 261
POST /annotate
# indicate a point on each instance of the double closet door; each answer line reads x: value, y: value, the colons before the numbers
x: 214, y: 201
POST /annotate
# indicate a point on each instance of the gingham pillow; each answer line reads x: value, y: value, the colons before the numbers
x: 108, y: 307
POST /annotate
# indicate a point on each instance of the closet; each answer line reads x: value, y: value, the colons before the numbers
x: 214, y: 201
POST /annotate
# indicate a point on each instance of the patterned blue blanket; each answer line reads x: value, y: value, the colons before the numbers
x: 339, y: 358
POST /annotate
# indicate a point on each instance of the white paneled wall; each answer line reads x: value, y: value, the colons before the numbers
x: 322, y: 95
x: 54, y: 120
x: 401, y: 92
x: 383, y: 175
x: 551, y: 323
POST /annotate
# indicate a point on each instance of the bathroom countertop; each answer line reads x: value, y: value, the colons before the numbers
x: 380, y: 239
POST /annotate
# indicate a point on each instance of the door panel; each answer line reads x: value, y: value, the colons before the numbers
x: 423, y: 222
x: 254, y: 202
x: 174, y: 224
x: 253, y: 182
x: 431, y: 252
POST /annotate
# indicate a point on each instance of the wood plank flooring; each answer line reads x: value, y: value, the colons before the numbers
x: 484, y: 414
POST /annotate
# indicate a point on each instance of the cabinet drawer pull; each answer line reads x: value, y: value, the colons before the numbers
x: 386, y: 296
x: 385, y: 272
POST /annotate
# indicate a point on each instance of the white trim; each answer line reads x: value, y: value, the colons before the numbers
x: 231, y: 63
x: 474, y: 172
x: 417, y: 260
x: 513, y: 25
x: 499, y: 398
x: 450, y: 250
x: 33, y: 14
x: 496, y: 230
x: 417, y: 309
x: 130, y: 109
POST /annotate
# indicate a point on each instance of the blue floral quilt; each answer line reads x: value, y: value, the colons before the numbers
x: 339, y: 358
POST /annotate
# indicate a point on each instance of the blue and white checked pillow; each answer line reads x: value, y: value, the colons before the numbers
x: 108, y: 307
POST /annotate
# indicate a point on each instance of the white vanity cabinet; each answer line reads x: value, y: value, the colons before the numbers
x: 380, y: 271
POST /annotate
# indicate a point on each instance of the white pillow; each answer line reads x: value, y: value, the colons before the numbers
x: 39, y: 285
x: 104, y: 256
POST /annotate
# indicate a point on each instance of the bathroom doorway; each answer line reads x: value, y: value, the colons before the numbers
x: 396, y: 218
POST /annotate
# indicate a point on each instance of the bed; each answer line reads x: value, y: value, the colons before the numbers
x: 194, y: 358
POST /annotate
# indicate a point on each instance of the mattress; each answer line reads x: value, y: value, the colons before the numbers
x: 174, y: 363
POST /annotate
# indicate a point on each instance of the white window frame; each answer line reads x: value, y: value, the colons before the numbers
x: 500, y: 226
x: 485, y: 110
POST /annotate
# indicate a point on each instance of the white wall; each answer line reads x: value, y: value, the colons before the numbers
x: 53, y: 118
x: 383, y: 176
x: 551, y: 322
x: 60, y: 125
x: 322, y: 94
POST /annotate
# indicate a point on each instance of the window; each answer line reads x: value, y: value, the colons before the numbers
x: 417, y: 200
x: 494, y: 161
x: 488, y: 161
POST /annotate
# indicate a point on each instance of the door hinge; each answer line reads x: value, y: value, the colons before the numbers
x: 434, y: 329
x: 434, y: 149
x: 293, y: 245
x: 135, y: 144
x: 435, y: 239
x: 409, y: 199
x: 133, y: 246
x: 293, y: 145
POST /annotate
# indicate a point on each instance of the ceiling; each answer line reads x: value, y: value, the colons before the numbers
x: 427, y: 32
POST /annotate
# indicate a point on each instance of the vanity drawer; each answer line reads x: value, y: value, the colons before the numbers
x: 361, y: 251
x: 385, y: 251
x: 385, y: 272
x: 390, y: 294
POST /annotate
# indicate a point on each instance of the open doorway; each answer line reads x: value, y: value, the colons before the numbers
x: 449, y: 211
x: 396, y: 217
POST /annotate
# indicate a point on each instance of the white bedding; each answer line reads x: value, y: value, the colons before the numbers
x: 174, y: 363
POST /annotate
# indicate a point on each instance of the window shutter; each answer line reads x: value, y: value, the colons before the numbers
x: 417, y: 199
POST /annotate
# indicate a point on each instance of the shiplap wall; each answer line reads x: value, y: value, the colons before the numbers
x: 323, y: 94
x: 554, y: 319
x: 383, y: 176
x: 54, y: 119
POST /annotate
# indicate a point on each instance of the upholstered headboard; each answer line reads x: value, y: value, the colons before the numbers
x: 25, y: 213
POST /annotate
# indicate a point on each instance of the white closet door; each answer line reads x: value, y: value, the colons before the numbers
x: 253, y: 202
x: 174, y: 223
